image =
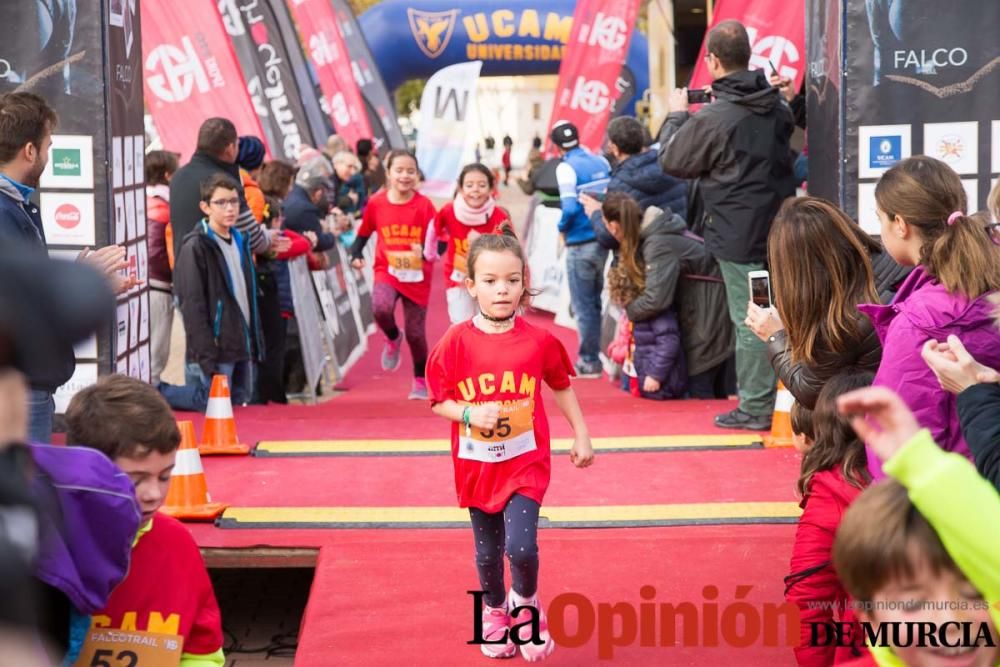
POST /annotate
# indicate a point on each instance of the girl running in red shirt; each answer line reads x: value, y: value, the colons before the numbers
x: 473, y: 213
x: 402, y: 217
x: 500, y: 435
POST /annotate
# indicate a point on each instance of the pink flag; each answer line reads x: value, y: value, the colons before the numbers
x: 592, y: 61
x: 777, y: 37
x: 324, y: 45
x: 190, y: 73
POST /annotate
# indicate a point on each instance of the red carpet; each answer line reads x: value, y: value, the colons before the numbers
x: 391, y: 597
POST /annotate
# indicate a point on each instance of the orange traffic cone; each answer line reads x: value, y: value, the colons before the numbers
x: 188, y: 496
x: 781, y: 422
x: 219, y: 435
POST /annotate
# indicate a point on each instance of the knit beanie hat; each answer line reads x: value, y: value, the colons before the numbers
x: 251, y: 153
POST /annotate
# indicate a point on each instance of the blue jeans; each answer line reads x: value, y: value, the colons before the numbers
x: 240, y: 375
x: 41, y: 407
x: 193, y: 394
x: 585, y: 273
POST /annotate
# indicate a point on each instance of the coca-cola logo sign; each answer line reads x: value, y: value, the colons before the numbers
x: 67, y: 216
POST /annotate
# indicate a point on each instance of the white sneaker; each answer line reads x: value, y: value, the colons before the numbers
x: 496, y: 623
x: 531, y: 652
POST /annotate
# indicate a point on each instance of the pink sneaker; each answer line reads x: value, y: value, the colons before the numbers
x: 418, y: 392
x: 531, y: 652
x: 496, y: 623
x: 391, y: 353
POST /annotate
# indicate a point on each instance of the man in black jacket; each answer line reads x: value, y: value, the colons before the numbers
x: 218, y: 147
x: 738, y: 147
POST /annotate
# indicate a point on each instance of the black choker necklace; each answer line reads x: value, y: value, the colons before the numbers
x: 496, y: 320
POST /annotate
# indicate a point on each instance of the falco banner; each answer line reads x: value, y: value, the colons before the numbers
x: 324, y: 44
x: 448, y: 98
x: 889, y: 81
x: 777, y: 37
x: 591, y: 64
x: 381, y: 107
x: 191, y: 73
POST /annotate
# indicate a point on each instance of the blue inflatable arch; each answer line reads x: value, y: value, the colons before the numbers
x: 412, y: 39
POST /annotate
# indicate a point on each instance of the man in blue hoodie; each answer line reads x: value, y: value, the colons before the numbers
x: 581, y: 171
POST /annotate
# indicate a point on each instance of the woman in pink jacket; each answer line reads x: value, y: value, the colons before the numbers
x: 922, y: 207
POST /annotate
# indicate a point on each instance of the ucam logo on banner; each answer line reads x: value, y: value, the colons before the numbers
x: 191, y: 73
x: 325, y: 46
x: 592, y: 61
x: 777, y: 37
x: 445, y: 104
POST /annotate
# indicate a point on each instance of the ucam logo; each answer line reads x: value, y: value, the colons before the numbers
x: 67, y: 216
x: 172, y: 73
x: 590, y: 96
x: 885, y: 151
x: 608, y: 32
x: 432, y: 30
x: 776, y: 49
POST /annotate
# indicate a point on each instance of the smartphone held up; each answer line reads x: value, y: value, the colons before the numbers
x: 760, y: 288
x: 698, y: 96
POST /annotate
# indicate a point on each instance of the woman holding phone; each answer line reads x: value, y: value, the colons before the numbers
x: 821, y: 270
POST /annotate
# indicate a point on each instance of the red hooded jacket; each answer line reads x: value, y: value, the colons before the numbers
x: 812, y: 583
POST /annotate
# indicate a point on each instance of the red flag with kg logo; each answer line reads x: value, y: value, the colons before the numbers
x: 591, y: 65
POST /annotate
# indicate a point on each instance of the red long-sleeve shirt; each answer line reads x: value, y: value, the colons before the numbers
x: 813, y: 584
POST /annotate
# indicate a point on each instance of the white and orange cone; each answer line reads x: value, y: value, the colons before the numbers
x: 188, y: 496
x: 219, y: 435
x: 781, y: 422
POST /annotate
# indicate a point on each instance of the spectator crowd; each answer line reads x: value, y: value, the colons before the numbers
x: 890, y: 345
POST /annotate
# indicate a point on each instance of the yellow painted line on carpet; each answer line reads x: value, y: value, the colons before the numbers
x: 401, y: 447
x: 597, y: 516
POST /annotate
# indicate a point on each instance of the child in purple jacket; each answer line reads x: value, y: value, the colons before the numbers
x: 922, y: 207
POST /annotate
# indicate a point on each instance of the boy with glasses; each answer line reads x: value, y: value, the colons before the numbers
x: 214, y: 283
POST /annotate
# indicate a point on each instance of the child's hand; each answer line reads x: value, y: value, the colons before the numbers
x: 894, y: 423
x: 582, y: 453
x: 473, y: 235
x: 955, y: 368
x: 485, y: 416
x: 650, y: 385
x: 358, y: 264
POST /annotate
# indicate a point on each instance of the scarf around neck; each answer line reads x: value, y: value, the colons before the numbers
x: 473, y: 217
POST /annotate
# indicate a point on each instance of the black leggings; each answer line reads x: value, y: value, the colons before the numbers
x: 516, y: 528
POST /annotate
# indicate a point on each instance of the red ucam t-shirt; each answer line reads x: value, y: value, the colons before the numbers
x: 448, y: 227
x: 167, y: 590
x: 400, y: 228
x: 472, y: 367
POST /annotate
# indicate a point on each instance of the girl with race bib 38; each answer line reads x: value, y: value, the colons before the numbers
x: 459, y: 223
x: 402, y: 217
x: 485, y: 376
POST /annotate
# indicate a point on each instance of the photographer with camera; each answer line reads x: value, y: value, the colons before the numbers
x: 737, y: 145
